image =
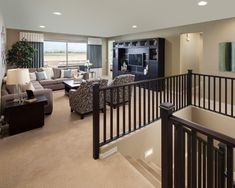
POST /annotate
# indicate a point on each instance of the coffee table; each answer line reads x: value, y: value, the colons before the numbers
x: 69, y: 84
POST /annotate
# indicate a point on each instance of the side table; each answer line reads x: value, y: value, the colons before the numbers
x: 26, y: 116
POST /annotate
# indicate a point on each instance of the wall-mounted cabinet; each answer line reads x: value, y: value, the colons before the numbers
x: 144, y: 58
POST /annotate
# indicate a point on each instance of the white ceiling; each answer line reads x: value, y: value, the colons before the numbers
x: 107, y: 18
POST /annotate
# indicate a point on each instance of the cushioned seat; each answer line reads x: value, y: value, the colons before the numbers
x: 81, y: 100
x: 118, y: 81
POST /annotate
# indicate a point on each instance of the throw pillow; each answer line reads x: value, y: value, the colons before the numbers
x: 66, y: 73
x: 74, y: 72
x: 41, y: 75
x: 57, y: 73
x: 28, y: 86
x: 49, y: 72
x: 32, y: 76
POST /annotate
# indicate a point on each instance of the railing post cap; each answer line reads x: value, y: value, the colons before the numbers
x: 167, y: 106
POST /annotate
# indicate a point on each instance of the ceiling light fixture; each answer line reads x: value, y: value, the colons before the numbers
x: 134, y: 26
x: 57, y: 13
x: 202, y: 3
x: 42, y: 26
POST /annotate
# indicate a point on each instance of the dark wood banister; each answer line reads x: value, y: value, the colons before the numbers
x: 140, y: 82
x: 218, y: 136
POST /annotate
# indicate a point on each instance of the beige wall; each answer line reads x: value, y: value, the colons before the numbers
x: 13, y: 36
x: 213, y: 33
x: 190, y: 52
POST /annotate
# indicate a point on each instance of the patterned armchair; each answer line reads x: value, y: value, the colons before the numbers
x: 81, y: 100
x: 118, y: 81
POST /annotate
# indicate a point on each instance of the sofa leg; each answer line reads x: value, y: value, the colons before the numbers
x: 82, y: 116
x: 71, y: 110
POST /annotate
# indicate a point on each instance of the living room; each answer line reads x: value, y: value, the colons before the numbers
x: 59, y: 153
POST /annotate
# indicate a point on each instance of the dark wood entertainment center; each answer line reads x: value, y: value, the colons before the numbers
x: 137, y: 55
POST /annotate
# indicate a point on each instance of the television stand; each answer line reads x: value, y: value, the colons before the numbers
x: 137, y: 55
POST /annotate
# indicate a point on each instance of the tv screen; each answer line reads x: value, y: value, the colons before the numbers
x: 135, y: 60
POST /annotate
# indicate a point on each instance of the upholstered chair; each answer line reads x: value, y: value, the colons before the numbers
x: 119, y: 81
x: 81, y: 100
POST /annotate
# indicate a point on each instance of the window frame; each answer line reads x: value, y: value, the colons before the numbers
x: 67, y: 52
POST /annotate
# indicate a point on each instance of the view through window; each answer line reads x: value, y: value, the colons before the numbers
x: 60, y: 54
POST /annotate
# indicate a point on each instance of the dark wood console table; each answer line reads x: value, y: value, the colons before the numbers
x: 25, y: 116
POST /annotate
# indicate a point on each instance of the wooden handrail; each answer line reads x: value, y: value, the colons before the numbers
x: 216, y: 76
x: 141, y: 82
x: 208, y: 132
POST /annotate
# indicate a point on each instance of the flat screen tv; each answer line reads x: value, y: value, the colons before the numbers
x: 135, y: 60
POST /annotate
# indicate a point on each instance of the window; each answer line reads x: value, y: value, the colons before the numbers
x: 54, y: 53
x: 77, y: 53
x: 61, y: 54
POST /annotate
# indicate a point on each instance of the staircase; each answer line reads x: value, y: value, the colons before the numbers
x: 148, y: 169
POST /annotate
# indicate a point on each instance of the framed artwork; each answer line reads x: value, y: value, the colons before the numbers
x: 3, y: 45
x: 227, y: 56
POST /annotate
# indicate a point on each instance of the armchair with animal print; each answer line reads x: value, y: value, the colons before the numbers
x: 81, y: 100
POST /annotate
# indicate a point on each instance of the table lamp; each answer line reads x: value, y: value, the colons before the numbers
x: 17, y: 77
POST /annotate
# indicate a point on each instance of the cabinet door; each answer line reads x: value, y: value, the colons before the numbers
x: 115, y: 68
x: 153, y: 69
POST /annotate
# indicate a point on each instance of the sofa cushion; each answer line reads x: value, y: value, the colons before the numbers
x: 32, y: 69
x: 28, y: 86
x: 37, y: 85
x: 11, y: 89
x: 41, y: 75
x: 32, y: 76
x: 49, y: 72
x: 47, y: 82
x: 57, y: 72
x: 66, y: 73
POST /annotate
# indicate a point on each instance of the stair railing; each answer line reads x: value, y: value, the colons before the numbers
x: 187, y: 144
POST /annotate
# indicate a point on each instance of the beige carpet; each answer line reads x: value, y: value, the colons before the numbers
x: 60, y: 155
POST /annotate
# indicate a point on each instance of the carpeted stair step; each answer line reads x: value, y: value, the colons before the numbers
x: 155, y: 167
x: 144, y: 171
x: 153, y: 171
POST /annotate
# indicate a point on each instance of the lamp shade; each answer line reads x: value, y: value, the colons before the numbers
x: 17, y: 76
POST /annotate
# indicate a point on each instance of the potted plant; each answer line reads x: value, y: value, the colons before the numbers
x: 21, y: 54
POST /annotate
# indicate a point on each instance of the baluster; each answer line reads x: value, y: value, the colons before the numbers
x: 134, y: 107
x: 129, y: 107
x: 232, y: 97
x: 210, y: 168
x: 225, y: 97
x: 209, y: 92
x: 104, y: 110
x: 123, y: 110
x: 204, y: 91
x: 229, y: 166
x: 214, y: 96
x: 118, y: 111
x: 111, y: 113
x: 140, y: 108
x: 148, y: 85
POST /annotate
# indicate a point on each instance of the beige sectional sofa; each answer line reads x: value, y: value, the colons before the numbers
x: 41, y: 87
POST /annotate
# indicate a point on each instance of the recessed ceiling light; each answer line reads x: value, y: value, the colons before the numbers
x: 134, y: 26
x: 202, y: 3
x: 57, y: 13
x: 42, y: 26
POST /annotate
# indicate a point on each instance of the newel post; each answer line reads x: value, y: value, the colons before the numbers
x: 189, y: 87
x: 96, y: 120
x: 166, y: 148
